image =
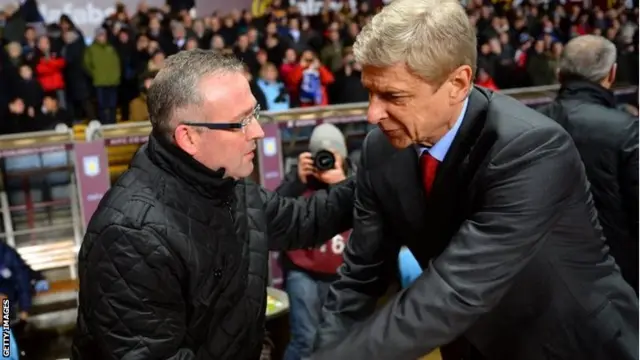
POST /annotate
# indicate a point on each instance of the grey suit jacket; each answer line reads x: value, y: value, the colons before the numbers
x: 514, y: 258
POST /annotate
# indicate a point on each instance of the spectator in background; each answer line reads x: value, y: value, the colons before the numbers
x: 50, y: 114
x: 28, y: 89
x: 275, y: 93
x: 102, y: 63
x: 310, y: 80
x: 348, y: 88
x: 128, y: 88
x: 485, y: 80
x: 607, y: 140
x: 138, y: 108
x: 15, y: 282
x: 49, y: 67
x: 331, y: 53
x: 78, y: 84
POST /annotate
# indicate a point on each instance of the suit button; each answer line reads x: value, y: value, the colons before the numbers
x: 217, y: 273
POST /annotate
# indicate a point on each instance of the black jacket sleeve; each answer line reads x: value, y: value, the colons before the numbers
x: 291, y: 186
x: 134, y: 293
x: 367, y: 268
x: 629, y: 174
x: 298, y: 223
x: 511, y: 225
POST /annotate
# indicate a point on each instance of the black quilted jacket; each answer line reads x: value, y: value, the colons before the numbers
x: 174, y: 262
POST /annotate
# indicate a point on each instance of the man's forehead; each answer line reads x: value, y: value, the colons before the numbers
x: 227, y: 95
x: 391, y: 78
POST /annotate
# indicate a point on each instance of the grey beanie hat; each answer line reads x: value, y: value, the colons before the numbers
x: 328, y: 137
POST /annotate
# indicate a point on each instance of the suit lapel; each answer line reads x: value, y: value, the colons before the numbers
x: 444, y: 204
x: 404, y: 181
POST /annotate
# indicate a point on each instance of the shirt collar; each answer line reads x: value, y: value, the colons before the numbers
x: 439, y: 150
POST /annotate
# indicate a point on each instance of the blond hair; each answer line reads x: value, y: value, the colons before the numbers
x: 433, y: 37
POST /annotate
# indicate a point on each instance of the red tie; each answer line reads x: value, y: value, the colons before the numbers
x: 429, y: 166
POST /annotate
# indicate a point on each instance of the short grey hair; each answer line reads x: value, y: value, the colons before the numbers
x: 176, y: 86
x: 589, y: 56
x: 433, y: 37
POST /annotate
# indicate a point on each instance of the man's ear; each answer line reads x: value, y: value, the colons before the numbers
x: 186, y: 139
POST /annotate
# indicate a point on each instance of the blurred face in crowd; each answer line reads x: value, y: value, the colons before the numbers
x: 101, y: 38
x: 243, y: 42
x: 154, y: 25
x: 334, y: 36
x: 539, y: 46
x: 43, y: 44
x: 611, y: 33
x: 14, y: 50
x: 178, y: 32
x: 26, y: 72
x: 30, y: 35
x: 482, y: 75
x: 226, y: 99
x: 305, y: 24
x: 411, y: 110
x: 261, y: 57
x: 215, y: 23
x: 142, y: 43
x: 269, y: 72
x: 354, y: 29
x: 191, y: 44
x: 307, y: 58
x: 556, y: 49
x: 271, y: 28
x: 16, y: 106
x: 290, y: 56
x: 247, y: 17
x: 198, y: 27
x: 217, y: 42
x: 485, y: 49
x: 49, y: 103
x: 229, y: 22
x: 504, y: 38
x: 252, y: 34
x: 294, y: 24
x: 153, y: 46
x: 158, y: 59
x: 123, y: 37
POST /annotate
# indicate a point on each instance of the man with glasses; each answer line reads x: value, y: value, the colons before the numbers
x: 174, y: 262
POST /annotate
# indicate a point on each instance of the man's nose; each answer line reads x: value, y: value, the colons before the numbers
x: 254, y: 130
x: 376, y: 111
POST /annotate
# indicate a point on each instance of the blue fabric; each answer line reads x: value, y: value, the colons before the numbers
x: 15, y: 279
x: 306, y: 297
x: 310, y: 87
x: 409, y: 267
x: 13, y: 347
x: 271, y: 92
x: 439, y: 150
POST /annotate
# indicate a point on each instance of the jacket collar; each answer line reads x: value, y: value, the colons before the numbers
x: 170, y: 158
x: 580, y: 89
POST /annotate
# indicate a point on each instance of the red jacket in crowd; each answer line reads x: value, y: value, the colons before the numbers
x: 49, y: 72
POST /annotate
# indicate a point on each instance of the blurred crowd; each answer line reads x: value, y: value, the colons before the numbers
x: 50, y: 75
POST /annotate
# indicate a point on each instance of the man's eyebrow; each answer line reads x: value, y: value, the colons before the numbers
x: 246, y: 113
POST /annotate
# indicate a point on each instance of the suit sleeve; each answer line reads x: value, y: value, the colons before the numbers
x: 526, y: 187
x: 134, y: 294
x: 629, y: 174
x: 367, y: 268
x: 299, y: 223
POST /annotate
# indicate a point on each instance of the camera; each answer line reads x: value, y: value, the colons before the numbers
x: 324, y: 160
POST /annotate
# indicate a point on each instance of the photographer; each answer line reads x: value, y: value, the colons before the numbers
x: 309, y: 273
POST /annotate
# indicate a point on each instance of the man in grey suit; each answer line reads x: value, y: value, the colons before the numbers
x: 492, y: 199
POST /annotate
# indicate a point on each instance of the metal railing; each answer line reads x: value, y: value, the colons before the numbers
x: 19, y: 151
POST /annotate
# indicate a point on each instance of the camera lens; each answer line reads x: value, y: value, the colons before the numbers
x: 324, y: 160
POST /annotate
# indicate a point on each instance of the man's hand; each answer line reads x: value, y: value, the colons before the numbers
x: 334, y: 175
x: 23, y: 315
x: 305, y: 166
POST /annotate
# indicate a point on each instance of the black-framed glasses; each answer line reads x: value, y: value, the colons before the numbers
x: 230, y: 126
